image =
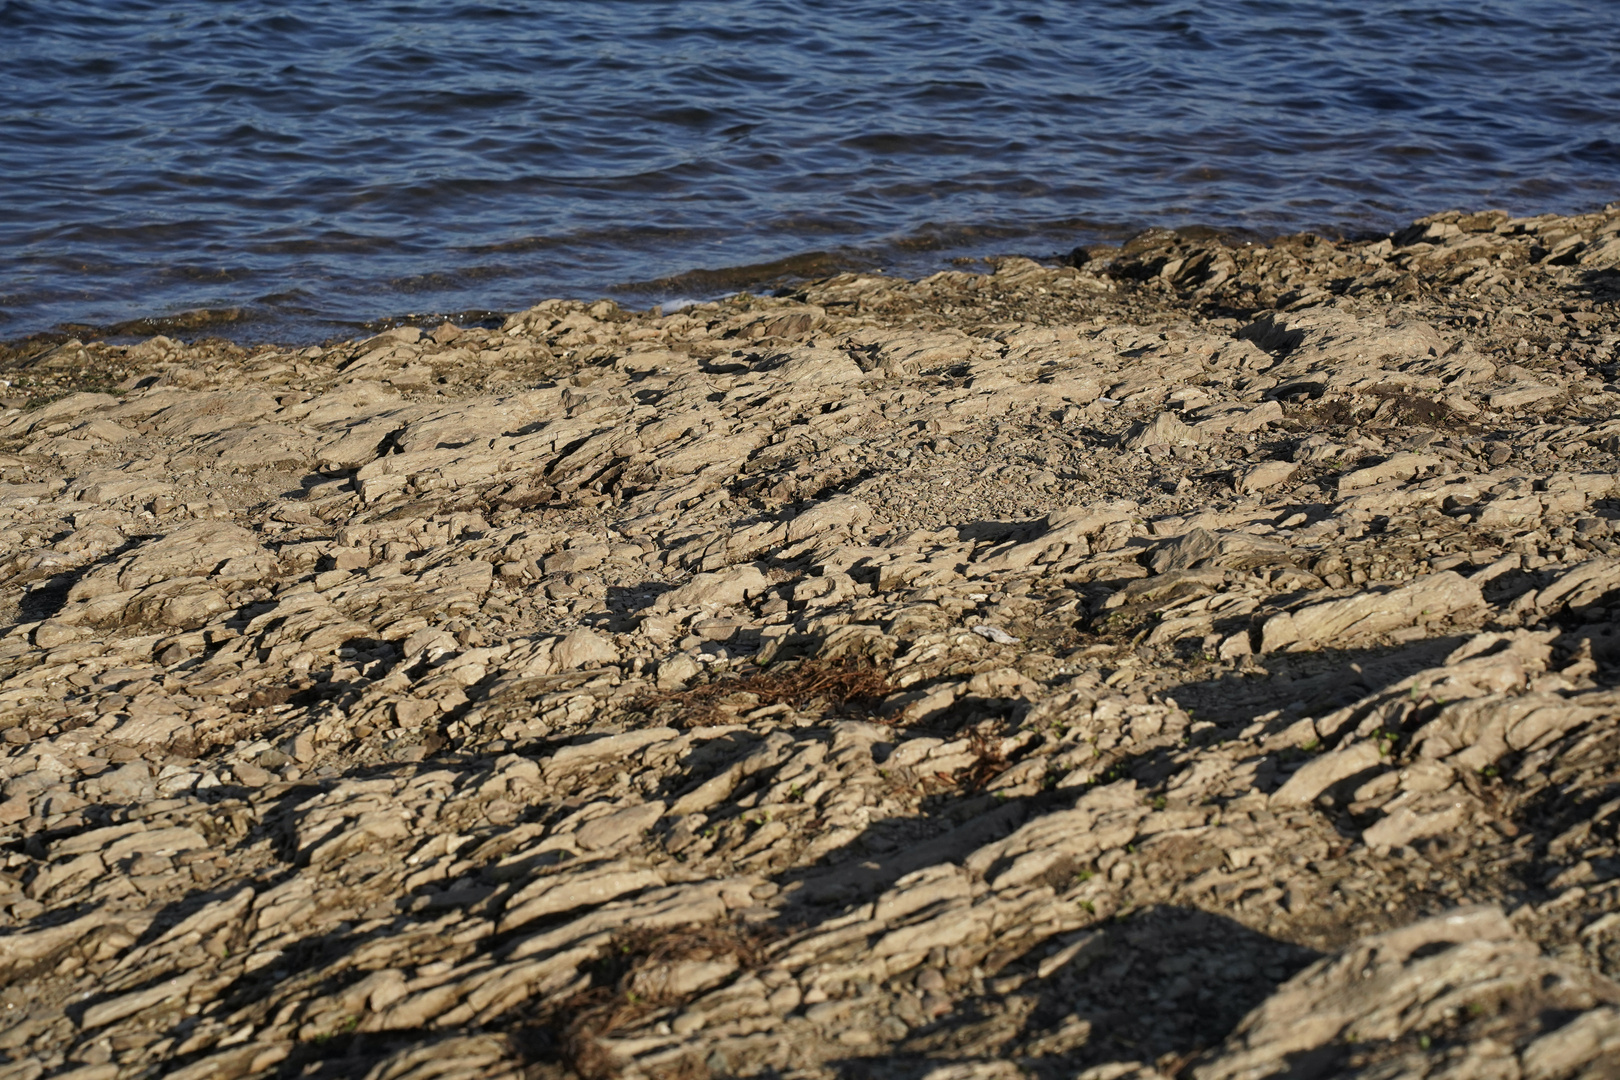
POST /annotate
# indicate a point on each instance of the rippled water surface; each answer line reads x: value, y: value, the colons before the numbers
x: 316, y: 165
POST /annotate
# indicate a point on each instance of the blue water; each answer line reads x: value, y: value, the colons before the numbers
x: 310, y: 166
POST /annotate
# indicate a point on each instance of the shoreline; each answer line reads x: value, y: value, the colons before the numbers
x: 779, y: 276
x: 1088, y: 667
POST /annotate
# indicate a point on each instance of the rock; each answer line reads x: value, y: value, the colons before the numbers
x: 62, y: 408
x: 52, y: 633
x: 609, y: 832
x: 250, y: 774
x: 840, y: 512
x: 1267, y: 474
x: 779, y: 685
x: 676, y: 671
x: 131, y: 783
x: 1416, y: 816
x: 195, y: 550
x: 1593, y: 583
x: 1401, y: 466
x: 724, y: 588
x: 1320, y: 773
x: 1377, y: 992
x: 1201, y: 547
x: 567, y: 892
x: 1339, y: 622
x: 583, y: 648
x: 1219, y: 419
x: 817, y: 367
x: 1166, y: 429
x: 262, y: 446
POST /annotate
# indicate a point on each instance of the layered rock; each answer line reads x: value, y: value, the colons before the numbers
x: 1200, y: 661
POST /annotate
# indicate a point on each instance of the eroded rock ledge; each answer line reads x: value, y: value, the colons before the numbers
x: 1200, y: 661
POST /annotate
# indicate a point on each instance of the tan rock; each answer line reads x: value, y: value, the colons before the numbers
x: 1340, y: 622
x: 1402, y: 466
x: 817, y: 367
x: 1266, y: 475
x: 1166, y: 429
x: 723, y: 588
x: 583, y: 648
x: 1378, y: 990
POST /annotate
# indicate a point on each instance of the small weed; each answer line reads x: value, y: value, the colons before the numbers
x: 984, y: 743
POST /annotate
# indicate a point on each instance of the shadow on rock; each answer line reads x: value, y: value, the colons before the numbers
x: 1160, y: 985
x: 1309, y: 683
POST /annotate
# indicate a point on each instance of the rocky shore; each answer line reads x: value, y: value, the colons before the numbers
x: 1201, y: 660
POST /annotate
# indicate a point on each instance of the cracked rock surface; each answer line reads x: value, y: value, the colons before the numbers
x: 1200, y: 661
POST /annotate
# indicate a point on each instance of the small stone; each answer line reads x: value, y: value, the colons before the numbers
x: 584, y: 648
x: 675, y: 672
x: 128, y: 783
x: 1166, y: 429
x: 14, y: 809
x: 250, y: 775
x: 1267, y: 474
x: 52, y: 633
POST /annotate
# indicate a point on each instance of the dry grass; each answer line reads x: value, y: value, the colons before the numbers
x: 844, y: 687
x: 984, y: 743
x: 1402, y: 409
x: 1382, y: 406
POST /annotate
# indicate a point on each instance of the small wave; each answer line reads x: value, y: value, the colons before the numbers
x: 471, y: 156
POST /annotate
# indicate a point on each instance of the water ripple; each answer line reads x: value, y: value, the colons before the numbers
x: 308, y: 166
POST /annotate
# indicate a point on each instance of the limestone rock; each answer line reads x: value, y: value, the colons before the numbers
x: 1402, y: 983
x: 583, y: 648
x: 1166, y: 429
x: 1341, y: 622
x: 811, y: 685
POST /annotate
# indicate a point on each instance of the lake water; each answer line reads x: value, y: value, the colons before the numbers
x: 300, y: 168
